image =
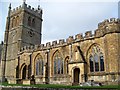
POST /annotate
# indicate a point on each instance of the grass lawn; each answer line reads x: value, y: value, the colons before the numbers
x: 64, y: 86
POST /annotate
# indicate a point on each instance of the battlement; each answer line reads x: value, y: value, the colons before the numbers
x: 110, y: 26
x: 79, y: 37
x: 88, y: 34
x: 108, y: 21
x: 28, y: 8
x: 61, y: 41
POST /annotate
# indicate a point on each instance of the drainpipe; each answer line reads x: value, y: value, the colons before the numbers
x: 48, y: 67
x: 71, y: 52
x: 30, y: 65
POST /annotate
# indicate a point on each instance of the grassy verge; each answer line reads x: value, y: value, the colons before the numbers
x: 64, y: 86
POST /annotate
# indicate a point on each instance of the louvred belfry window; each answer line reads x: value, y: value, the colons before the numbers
x: 29, y: 21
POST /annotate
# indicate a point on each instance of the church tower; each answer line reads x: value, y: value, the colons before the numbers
x: 23, y: 28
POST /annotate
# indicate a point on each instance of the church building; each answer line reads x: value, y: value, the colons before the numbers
x: 70, y: 61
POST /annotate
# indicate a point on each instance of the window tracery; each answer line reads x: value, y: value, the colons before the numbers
x: 96, y: 59
x: 39, y: 65
x: 58, y: 63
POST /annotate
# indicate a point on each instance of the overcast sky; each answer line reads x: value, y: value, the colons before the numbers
x: 64, y: 18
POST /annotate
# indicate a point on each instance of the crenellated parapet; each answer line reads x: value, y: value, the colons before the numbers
x: 79, y: 37
x: 54, y: 43
x: 27, y: 48
x: 107, y: 26
x: 70, y: 39
x: 108, y: 21
x: 27, y: 8
x: 61, y: 41
x: 16, y: 10
x: 48, y: 44
x: 88, y: 34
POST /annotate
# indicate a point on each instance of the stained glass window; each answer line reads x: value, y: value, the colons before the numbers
x: 91, y: 64
x: 39, y: 66
x: 96, y: 59
x: 101, y: 62
x: 58, y: 63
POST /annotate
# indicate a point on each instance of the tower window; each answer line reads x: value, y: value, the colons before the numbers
x: 16, y: 20
x: 13, y: 22
x: 29, y: 21
x: 33, y: 23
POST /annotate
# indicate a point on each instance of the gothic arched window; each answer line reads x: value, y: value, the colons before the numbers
x: 33, y: 23
x: 39, y: 65
x: 13, y: 22
x: 29, y: 21
x: 16, y: 20
x: 96, y: 59
x: 58, y: 63
x: 101, y: 62
x: 91, y: 61
x: 66, y: 65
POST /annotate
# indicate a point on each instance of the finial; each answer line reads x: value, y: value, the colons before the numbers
x: 39, y: 6
x: 10, y: 6
x: 24, y: 1
x: 1, y: 42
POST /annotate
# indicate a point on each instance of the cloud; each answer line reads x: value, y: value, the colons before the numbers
x: 63, y: 19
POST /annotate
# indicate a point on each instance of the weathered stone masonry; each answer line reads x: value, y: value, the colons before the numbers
x: 72, y: 61
x: 77, y: 51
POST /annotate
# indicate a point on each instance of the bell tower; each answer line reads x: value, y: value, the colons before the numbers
x: 23, y: 28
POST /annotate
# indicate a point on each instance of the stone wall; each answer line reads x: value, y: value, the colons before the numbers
x: 20, y: 34
x: 77, y: 49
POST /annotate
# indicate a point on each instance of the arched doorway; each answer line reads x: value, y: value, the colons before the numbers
x: 76, y: 75
x: 24, y: 72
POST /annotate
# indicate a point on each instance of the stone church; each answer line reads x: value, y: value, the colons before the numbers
x: 74, y: 60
